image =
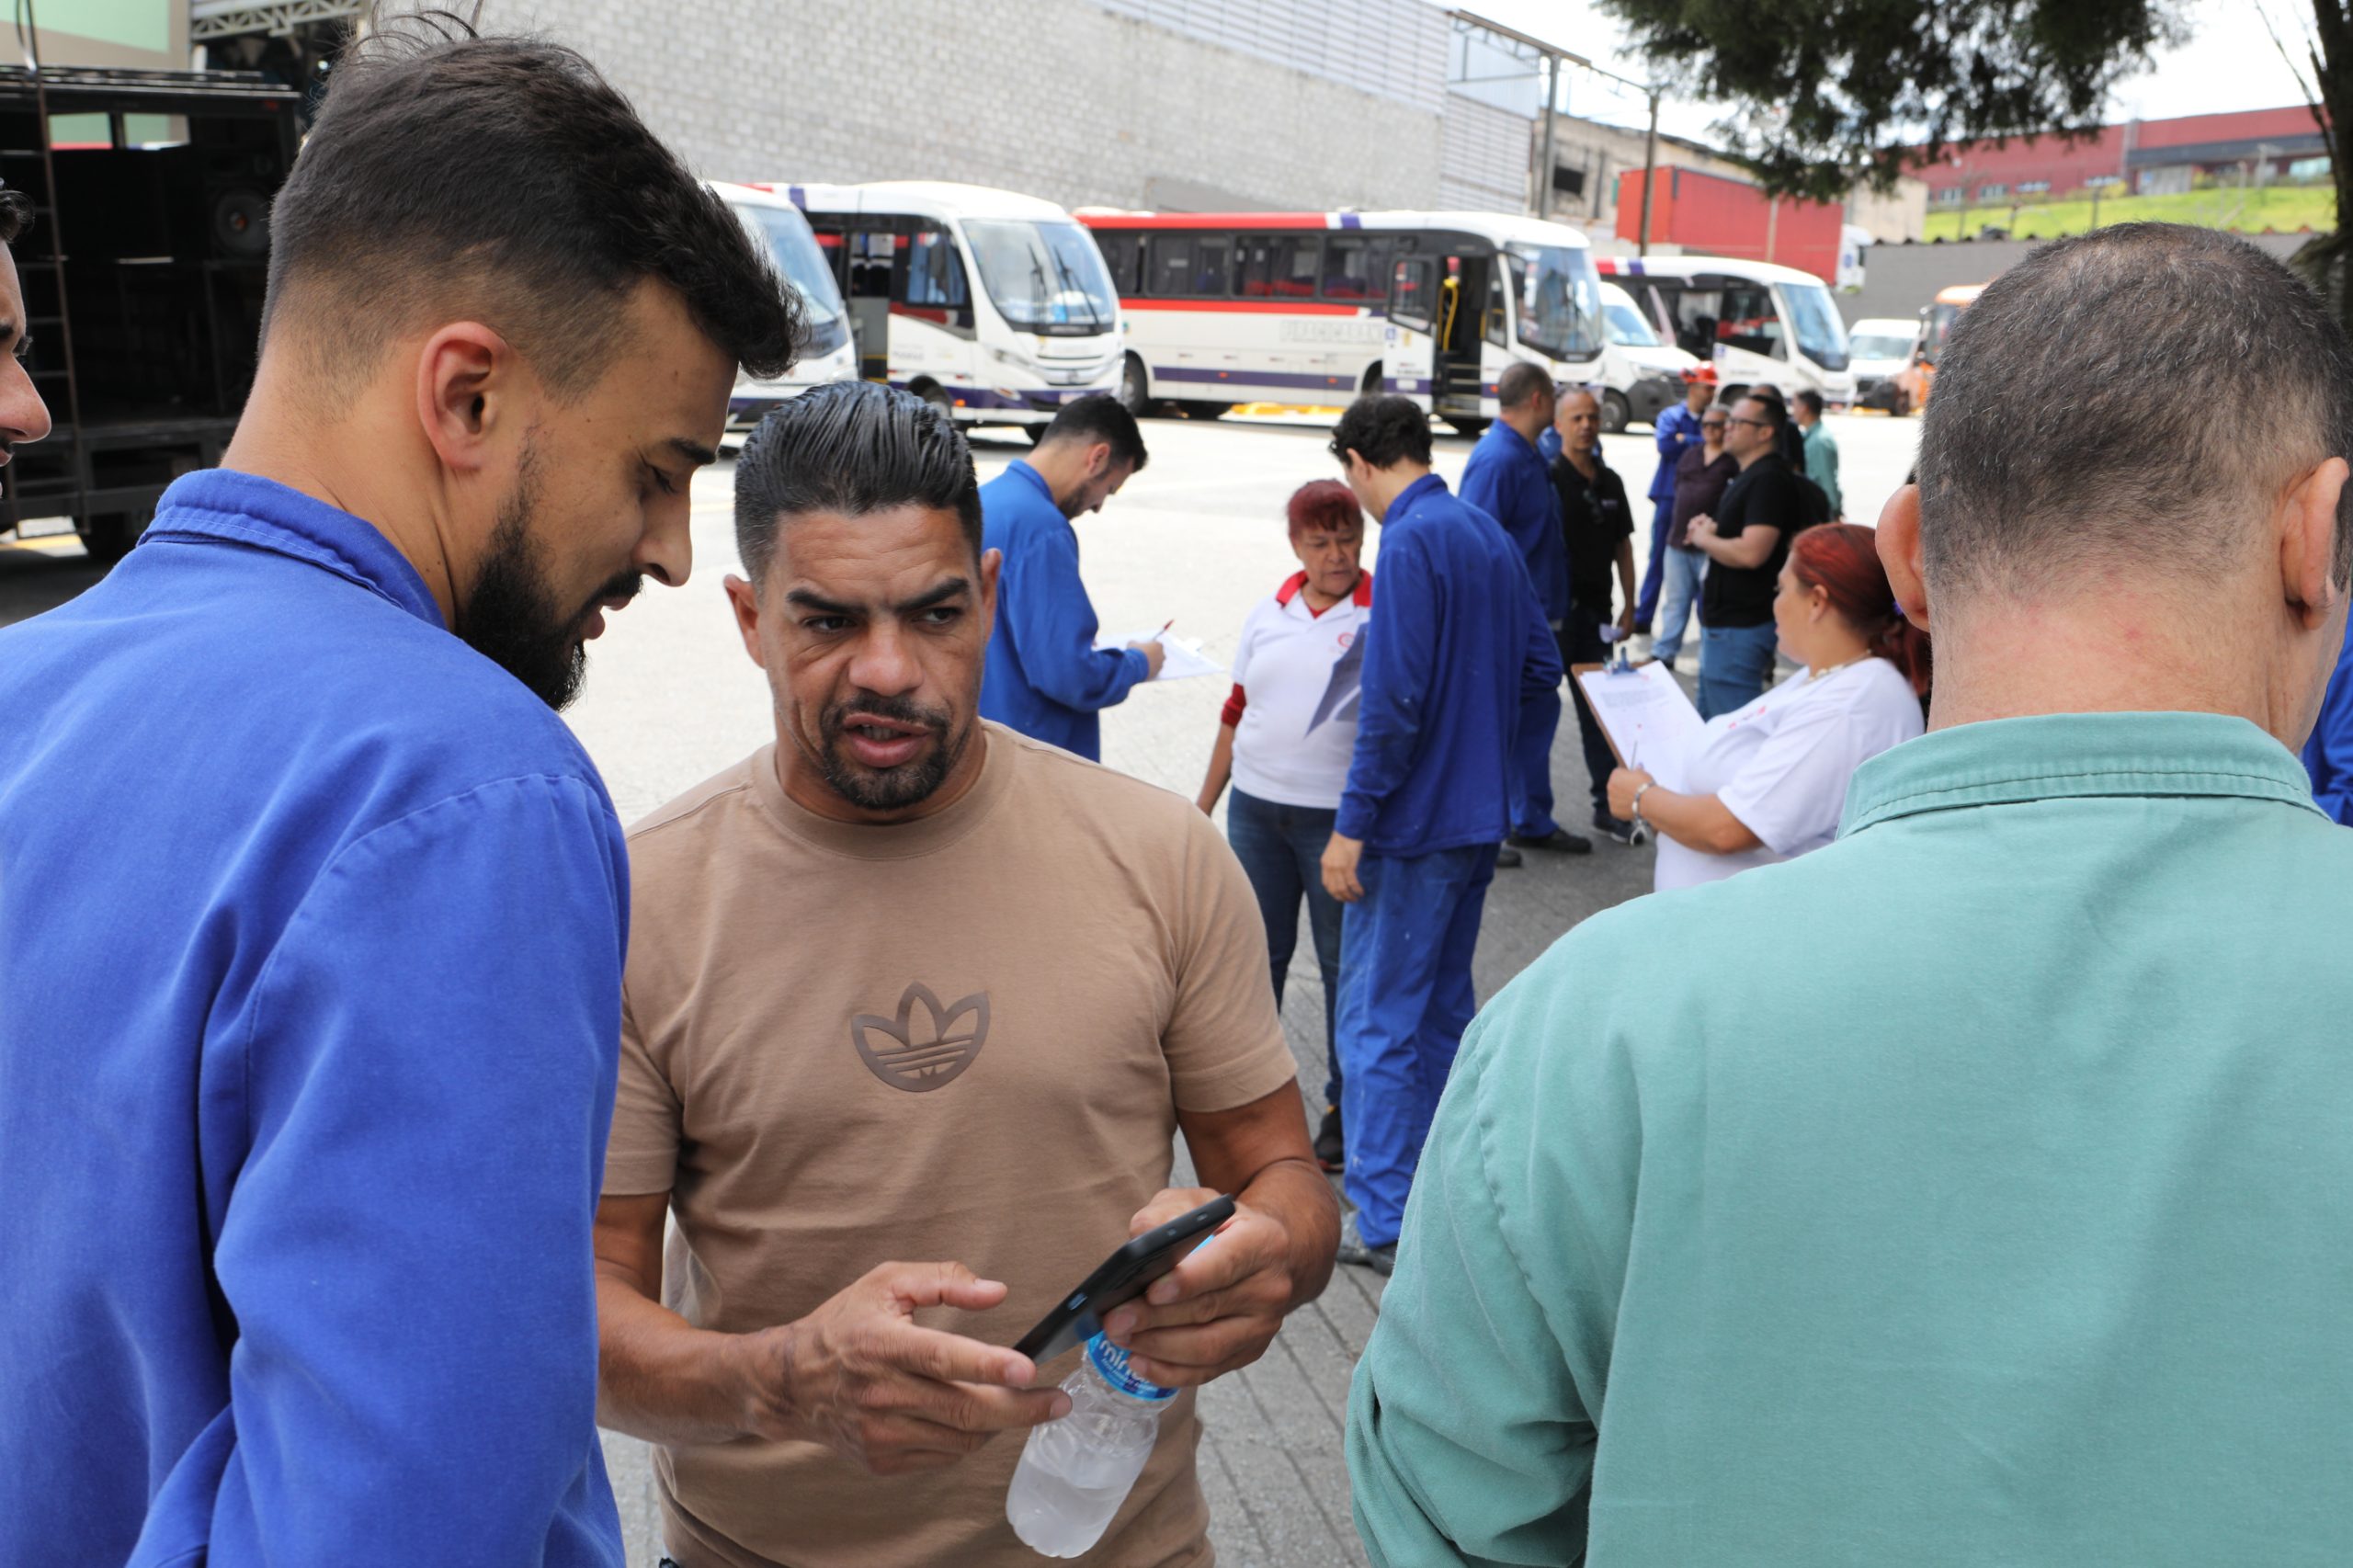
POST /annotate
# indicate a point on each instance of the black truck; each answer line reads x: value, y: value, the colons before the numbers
x: 143, y: 276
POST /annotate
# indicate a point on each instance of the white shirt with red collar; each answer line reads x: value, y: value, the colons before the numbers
x: 1296, y: 688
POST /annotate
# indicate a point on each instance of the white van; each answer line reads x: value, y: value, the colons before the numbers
x: 1641, y: 376
x: 1879, y: 349
x: 1756, y: 322
x: 778, y: 224
x: 991, y: 305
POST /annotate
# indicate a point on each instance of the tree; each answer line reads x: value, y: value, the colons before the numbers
x: 2325, y: 73
x: 1827, y: 94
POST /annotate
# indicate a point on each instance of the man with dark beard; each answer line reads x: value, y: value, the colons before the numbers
x: 314, y: 915
x: 909, y: 984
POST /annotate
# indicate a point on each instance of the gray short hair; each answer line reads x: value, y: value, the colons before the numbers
x: 2118, y: 401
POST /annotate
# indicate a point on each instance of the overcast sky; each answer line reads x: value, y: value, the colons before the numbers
x: 2228, y: 63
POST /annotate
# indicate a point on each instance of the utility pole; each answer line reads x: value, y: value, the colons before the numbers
x: 1552, y: 113
x: 1650, y: 174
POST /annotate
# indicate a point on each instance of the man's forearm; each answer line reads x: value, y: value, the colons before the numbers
x: 1298, y: 1197
x: 660, y: 1377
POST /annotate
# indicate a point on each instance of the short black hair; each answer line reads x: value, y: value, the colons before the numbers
x: 1777, y: 413
x: 1384, y: 431
x: 1811, y: 399
x: 16, y: 215
x: 2076, y: 425
x: 505, y: 178
x: 851, y: 448
x: 1098, y: 417
x: 1520, y: 380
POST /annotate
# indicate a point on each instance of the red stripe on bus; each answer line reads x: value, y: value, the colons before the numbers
x: 1271, y: 307
x: 1243, y: 221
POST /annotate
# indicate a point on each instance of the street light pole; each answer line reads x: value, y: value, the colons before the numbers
x: 1650, y: 173
x: 1552, y: 113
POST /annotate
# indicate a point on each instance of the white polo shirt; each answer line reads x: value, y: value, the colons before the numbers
x: 1297, y: 679
x: 1781, y: 764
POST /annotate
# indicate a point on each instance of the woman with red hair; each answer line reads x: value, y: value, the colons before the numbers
x: 1768, y: 781
x: 1289, y: 729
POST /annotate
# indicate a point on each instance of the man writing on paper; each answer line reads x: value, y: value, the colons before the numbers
x: 907, y: 985
x: 1997, y: 1208
x: 1046, y: 678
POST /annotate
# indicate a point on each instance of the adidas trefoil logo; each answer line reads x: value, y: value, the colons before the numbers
x: 922, y: 1049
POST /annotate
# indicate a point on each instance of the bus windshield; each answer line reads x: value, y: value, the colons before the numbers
x: 1627, y: 327
x: 1556, y: 298
x: 1814, y: 321
x: 1881, y: 346
x: 1940, y: 320
x: 804, y: 267
x: 1043, y: 277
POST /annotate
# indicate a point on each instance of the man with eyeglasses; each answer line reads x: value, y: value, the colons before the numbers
x: 1745, y: 540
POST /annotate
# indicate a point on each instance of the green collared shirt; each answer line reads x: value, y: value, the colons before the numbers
x: 1976, y: 1190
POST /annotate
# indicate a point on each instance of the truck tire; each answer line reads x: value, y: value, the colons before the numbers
x: 1614, y: 412
x: 1136, y: 387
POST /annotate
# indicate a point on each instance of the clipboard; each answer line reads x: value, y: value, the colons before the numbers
x: 1644, y: 716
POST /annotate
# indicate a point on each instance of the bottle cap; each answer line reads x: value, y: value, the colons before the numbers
x: 1112, y: 1363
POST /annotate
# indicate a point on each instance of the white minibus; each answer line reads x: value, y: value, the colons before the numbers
x: 1758, y: 323
x: 828, y: 356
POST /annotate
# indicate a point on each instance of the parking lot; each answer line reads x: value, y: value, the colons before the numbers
x: 1197, y: 538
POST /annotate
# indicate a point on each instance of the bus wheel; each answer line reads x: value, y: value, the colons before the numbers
x: 1136, y: 387
x: 1902, y: 404
x: 1464, y: 425
x: 1614, y: 412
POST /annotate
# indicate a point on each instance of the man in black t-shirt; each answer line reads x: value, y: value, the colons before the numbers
x: 1600, y: 527
x: 1745, y: 541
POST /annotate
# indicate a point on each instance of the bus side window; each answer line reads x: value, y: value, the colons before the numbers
x: 935, y: 274
x: 1291, y: 263
x: 1353, y: 268
x: 1252, y: 266
x: 1412, y: 294
x: 1749, y: 321
x: 1498, y: 318
x: 1210, y: 266
x: 1123, y: 258
x: 1172, y: 264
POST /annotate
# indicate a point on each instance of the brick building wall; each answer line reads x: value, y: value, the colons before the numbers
x: 1065, y: 99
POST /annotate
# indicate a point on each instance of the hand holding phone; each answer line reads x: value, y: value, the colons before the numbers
x: 1127, y: 1273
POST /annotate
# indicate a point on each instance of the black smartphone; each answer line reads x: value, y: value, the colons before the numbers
x: 1125, y: 1275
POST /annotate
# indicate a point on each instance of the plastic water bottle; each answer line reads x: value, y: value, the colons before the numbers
x: 1076, y: 1472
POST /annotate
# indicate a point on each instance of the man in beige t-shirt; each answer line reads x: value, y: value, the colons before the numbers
x: 906, y: 985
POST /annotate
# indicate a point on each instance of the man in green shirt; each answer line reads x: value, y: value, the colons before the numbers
x: 1978, y: 1188
x: 1820, y: 447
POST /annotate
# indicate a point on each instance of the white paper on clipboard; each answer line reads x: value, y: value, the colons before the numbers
x: 1180, y: 657
x: 1648, y: 721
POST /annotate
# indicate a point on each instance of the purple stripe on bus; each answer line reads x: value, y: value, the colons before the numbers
x: 1252, y: 378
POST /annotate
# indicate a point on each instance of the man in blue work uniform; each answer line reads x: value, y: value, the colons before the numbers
x: 1676, y: 429
x: 2328, y: 755
x: 1506, y: 478
x: 1456, y: 646
x: 310, y: 1003
x: 1045, y: 676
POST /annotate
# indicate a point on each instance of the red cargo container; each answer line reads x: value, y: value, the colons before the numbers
x: 1706, y: 214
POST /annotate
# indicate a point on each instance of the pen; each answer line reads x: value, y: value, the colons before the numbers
x: 1163, y: 630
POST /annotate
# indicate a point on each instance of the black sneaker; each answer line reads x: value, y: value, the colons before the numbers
x: 1608, y: 826
x: 1559, y: 841
x: 1506, y: 859
x: 1331, y: 1149
x: 1380, y: 1260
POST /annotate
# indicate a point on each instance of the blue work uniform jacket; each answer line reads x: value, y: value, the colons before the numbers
x: 1045, y: 677
x: 1455, y: 643
x: 1676, y: 428
x: 311, y: 932
x: 1507, y: 478
x: 2328, y: 755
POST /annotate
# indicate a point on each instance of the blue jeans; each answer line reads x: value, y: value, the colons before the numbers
x: 1734, y: 664
x: 1662, y: 517
x: 1678, y: 597
x: 1282, y: 851
x: 1531, y: 784
x: 1406, y: 998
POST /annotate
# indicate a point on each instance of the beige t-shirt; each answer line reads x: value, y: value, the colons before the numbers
x: 963, y: 1038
